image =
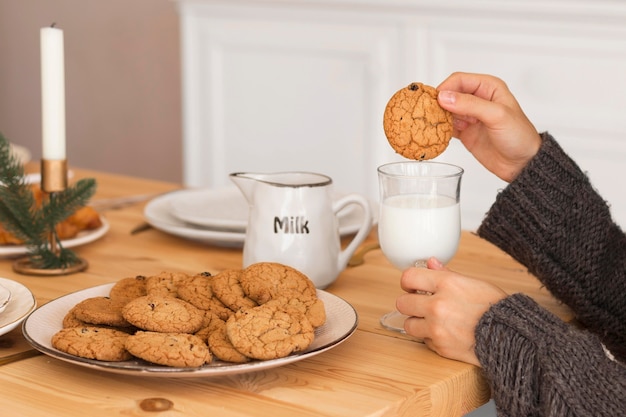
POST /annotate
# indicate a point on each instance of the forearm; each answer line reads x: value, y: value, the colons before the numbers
x: 552, y: 220
x: 539, y: 366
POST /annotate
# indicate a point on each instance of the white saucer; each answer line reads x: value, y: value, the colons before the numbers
x: 219, y: 209
x: 158, y: 214
x: 5, y: 297
x: 224, y: 226
x: 21, y: 305
x: 226, y: 209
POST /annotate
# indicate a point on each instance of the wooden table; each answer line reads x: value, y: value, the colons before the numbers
x: 374, y: 373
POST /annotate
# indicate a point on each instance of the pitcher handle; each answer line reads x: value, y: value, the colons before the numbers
x: 364, y: 230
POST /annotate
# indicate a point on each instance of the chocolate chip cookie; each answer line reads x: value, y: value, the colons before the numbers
x: 170, y: 349
x: 92, y: 343
x: 164, y: 314
x: 416, y: 126
x: 265, y: 281
x: 269, y: 331
x: 101, y: 310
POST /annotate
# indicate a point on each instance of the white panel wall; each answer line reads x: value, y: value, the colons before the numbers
x: 299, y: 93
x: 302, y: 85
x: 570, y: 80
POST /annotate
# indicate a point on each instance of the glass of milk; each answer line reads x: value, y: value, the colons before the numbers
x: 420, y: 217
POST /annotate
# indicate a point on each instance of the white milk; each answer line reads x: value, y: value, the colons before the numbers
x: 415, y: 227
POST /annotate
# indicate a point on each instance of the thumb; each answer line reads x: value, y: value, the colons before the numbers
x: 467, y: 107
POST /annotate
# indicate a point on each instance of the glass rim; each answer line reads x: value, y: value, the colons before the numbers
x: 456, y: 170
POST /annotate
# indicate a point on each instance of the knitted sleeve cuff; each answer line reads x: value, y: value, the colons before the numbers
x: 539, y: 365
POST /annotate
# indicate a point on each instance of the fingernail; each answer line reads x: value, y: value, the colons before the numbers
x: 434, y: 263
x: 447, y: 97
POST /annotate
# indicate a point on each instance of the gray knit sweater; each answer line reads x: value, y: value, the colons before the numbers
x: 552, y: 220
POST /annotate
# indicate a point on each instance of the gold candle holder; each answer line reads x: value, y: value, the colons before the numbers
x: 53, y: 180
x: 53, y: 175
x: 25, y: 267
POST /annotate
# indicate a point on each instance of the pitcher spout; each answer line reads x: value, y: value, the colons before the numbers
x: 246, y: 182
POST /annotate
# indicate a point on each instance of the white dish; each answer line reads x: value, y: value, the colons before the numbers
x: 21, y: 305
x: 84, y: 237
x: 227, y: 209
x: 5, y: 297
x: 43, y: 323
x: 157, y: 214
x: 178, y: 213
x: 220, y: 209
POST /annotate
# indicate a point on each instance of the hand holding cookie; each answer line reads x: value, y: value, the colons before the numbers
x: 416, y: 126
x: 490, y: 122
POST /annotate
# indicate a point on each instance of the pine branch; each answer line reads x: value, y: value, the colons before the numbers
x: 35, y: 226
x: 61, y: 205
x: 11, y: 170
x: 16, y: 197
x: 42, y: 257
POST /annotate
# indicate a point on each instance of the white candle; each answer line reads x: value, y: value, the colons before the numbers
x: 52, y: 94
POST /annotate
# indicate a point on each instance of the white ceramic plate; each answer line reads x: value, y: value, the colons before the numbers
x: 5, y: 297
x: 158, y: 214
x: 43, y: 323
x: 218, y: 209
x: 182, y: 213
x: 84, y: 237
x: 227, y: 209
x: 21, y: 305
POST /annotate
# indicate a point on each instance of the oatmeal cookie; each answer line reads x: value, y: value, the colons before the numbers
x: 170, y: 349
x: 70, y: 320
x: 101, y: 310
x: 198, y: 290
x: 416, y: 126
x: 269, y: 331
x: 266, y: 281
x: 227, y: 287
x: 165, y: 283
x: 92, y: 343
x: 211, y: 322
x: 163, y: 314
x: 221, y: 346
x: 129, y: 288
x: 313, y: 309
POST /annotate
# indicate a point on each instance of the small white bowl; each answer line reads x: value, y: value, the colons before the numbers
x: 5, y: 297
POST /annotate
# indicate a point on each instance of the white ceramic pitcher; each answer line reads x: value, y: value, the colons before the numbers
x: 293, y: 220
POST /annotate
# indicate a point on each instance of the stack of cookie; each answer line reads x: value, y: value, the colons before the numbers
x: 265, y: 311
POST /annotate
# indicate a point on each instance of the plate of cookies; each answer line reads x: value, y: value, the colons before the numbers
x: 193, y: 325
